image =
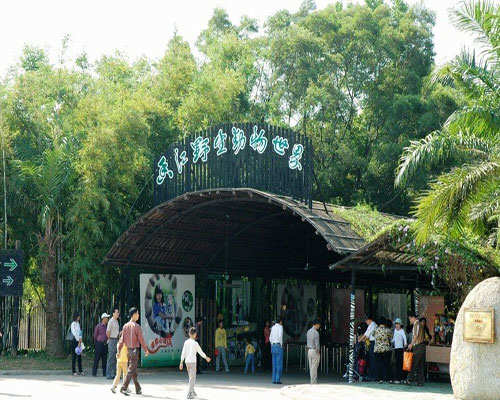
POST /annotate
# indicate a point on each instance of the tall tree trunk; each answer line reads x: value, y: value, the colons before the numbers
x: 47, y: 245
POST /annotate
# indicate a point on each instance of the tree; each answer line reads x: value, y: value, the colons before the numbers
x: 467, y: 196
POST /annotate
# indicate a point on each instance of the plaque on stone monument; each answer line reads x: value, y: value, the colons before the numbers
x: 479, y: 325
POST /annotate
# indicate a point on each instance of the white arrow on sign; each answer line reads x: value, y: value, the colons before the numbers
x: 8, y: 281
x: 12, y: 265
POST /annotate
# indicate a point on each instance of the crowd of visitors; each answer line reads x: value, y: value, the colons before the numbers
x: 381, y: 345
x: 384, y: 346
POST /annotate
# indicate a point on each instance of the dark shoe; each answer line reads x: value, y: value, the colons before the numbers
x: 124, y: 392
x: 109, y: 377
x: 279, y: 383
x: 139, y: 392
x: 420, y: 384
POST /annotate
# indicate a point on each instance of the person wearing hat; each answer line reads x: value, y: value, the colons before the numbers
x: 399, y: 342
x: 100, y: 342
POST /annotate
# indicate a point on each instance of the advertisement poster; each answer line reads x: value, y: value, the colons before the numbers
x: 341, y: 310
x: 167, y: 313
x: 297, y: 304
x: 241, y: 302
x: 392, y: 306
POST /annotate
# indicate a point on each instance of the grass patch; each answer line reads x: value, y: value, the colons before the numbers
x: 39, y: 360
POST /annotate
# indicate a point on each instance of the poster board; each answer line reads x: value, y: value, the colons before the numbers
x: 240, y: 302
x: 297, y: 305
x: 430, y: 307
x: 341, y: 309
x: 167, y: 313
x: 392, y: 306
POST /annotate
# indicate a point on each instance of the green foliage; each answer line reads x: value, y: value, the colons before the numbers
x: 81, y: 137
x: 459, y: 265
x: 465, y: 197
x: 365, y: 220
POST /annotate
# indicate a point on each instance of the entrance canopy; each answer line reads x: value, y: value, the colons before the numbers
x: 238, y: 231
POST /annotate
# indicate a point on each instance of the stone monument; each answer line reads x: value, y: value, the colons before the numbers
x: 475, y: 357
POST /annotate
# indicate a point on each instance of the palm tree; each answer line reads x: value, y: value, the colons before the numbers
x: 466, y: 197
x: 45, y: 182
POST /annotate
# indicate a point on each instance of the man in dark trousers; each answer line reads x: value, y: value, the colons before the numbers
x: 132, y: 337
x: 100, y: 342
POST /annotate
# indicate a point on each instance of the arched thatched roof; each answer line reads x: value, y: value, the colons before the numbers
x: 267, y: 235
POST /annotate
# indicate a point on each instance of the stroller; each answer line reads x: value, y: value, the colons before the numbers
x: 360, y: 363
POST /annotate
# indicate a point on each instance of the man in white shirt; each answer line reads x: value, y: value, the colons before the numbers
x: 369, y: 334
x: 112, y: 332
x: 276, y: 339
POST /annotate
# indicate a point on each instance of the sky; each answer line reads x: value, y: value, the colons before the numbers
x: 143, y: 28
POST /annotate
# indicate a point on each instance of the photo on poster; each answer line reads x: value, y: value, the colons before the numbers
x: 167, y: 313
x: 241, y: 302
x: 297, y: 304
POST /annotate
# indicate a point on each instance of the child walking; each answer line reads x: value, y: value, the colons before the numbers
x: 249, y: 356
x: 189, y: 350
x: 121, y: 365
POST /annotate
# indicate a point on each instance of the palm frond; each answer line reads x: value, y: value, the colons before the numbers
x: 437, y: 147
x: 479, y: 17
x: 444, y: 205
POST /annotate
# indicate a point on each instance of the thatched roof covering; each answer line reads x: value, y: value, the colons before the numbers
x: 267, y: 234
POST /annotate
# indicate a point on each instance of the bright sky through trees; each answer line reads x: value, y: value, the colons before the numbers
x: 144, y: 27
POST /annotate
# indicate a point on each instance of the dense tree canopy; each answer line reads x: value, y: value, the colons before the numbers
x: 80, y: 137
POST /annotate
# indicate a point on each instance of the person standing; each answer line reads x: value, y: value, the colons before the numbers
x: 417, y: 345
x: 382, y: 350
x: 249, y: 356
x: 132, y: 338
x: 190, y: 350
x: 313, y: 351
x: 76, y: 341
x: 276, y: 339
x: 266, y: 353
x: 121, y: 368
x: 399, y: 342
x: 369, y: 335
x: 100, y: 339
x: 221, y: 346
x: 112, y: 332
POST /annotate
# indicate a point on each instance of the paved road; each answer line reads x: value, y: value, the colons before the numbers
x: 170, y: 385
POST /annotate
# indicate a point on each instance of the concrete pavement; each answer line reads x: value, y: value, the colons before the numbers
x: 171, y: 385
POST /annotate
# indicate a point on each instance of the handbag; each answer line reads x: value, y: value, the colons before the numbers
x: 69, y: 335
x: 407, y: 361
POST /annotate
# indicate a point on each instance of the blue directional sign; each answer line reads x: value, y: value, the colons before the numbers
x: 11, y: 273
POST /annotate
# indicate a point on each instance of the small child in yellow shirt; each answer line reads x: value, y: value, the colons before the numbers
x: 249, y: 356
x: 121, y: 365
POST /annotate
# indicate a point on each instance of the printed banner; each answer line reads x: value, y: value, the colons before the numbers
x: 341, y: 306
x: 297, y: 304
x: 167, y: 313
x: 241, y: 302
x: 392, y: 306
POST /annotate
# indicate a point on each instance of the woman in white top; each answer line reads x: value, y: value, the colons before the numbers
x: 76, y: 341
x: 189, y: 350
x: 399, y: 342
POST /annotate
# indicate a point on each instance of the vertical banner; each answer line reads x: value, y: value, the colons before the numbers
x: 297, y: 305
x: 392, y: 306
x: 341, y: 307
x: 167, y: 313
x: 241, y: 302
